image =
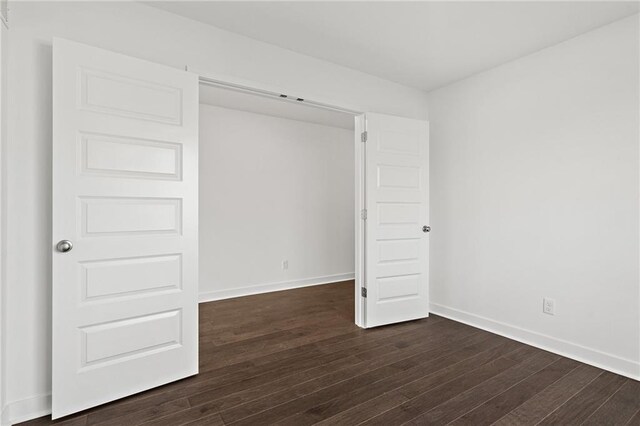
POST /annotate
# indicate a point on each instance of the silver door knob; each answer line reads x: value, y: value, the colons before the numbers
x: 426, y: 228
x: 64, y: 246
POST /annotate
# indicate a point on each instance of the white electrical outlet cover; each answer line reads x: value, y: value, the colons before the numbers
x: 548, y: 306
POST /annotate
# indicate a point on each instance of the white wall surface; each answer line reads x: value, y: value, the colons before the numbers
x: 138, y: 30
x: 273, y: 189
x: 535, y: 193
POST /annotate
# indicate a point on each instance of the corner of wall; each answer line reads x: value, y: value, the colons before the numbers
x: 4, y: 416
x: 26, y: 409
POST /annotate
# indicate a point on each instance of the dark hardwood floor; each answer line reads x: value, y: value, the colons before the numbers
x: 296, y: 358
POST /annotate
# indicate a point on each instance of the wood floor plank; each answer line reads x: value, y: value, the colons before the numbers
x: 272, y: 343
x: 225, y: 401
x: 464, y: 402
x: 297, y: 358
x: 514, y: 351
x: 80, y: 420
x: 279, y: 368
x: 140, y: 416
x: 366, y: 410
x: 290, y: 401
x: 240, y: 392
x: 577, y: 409
x: 496, y: 407
x: 427, y: 382
x: 424, y: 366
x: 258, y: 397
x: 635, y: 420
x: 440, y: 394
x: 220, y: 379
x: 215, y: 377
x: 211, y: 420
x: 618, y: 409
x: 547, y: 401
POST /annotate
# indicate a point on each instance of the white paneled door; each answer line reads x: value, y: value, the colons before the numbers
x: 125, y: 187
x: 396, y: 266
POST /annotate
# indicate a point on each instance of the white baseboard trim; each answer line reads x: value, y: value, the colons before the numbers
x: 613, y: 363
x: 26, y: 409
x: 211, y: 296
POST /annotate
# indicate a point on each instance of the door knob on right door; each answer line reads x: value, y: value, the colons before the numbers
x: 426, y: 228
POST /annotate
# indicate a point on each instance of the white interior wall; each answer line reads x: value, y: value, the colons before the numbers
x: 535, y: 193
x: 145, y: 32
x: 273, y: 189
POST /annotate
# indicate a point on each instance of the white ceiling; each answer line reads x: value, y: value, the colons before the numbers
x: 419, y: 44
x: 275, y: 107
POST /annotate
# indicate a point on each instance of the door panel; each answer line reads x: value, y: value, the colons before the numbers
x: 113, y: 278
x: 115, y: 340
x: 125, y: 167
x: 111, y: 93
x: 107, y: 216
x: 129, y: 157
x: 396, y: 199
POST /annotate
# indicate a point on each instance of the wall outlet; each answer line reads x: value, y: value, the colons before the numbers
x: 548, y: 306
x: 285, y: 265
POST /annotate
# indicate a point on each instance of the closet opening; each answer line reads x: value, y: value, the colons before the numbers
x: 277, y: 197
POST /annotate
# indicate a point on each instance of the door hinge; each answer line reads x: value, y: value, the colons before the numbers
x: 363, y: 291
x: 363, y: 136
x: 363, y: 214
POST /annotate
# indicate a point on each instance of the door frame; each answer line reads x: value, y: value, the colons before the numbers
x: 361, y: 223
x: 317, y: 101
x: 4, y: 413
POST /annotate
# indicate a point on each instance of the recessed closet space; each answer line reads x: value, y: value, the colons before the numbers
x: 276, y: 194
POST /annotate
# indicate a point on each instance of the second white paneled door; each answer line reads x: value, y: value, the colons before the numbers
x: 396, y: 229
x: 125, y: 188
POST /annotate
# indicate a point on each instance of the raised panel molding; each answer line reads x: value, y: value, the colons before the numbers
x: 104, y: 216
x: 109, y: 93
x: 132, y: 337
x: 105, y: 280
x: 398, y: 177
x: 399, y: 142
x: 398, y: 251
x: 395, y: 288
x: 398, y: 214
x: 117, y: 156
